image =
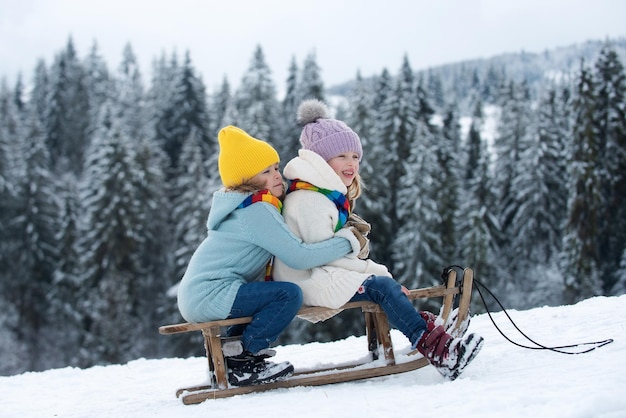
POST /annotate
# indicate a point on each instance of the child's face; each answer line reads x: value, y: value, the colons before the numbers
x: 271, y: 179
x: 346, y: 166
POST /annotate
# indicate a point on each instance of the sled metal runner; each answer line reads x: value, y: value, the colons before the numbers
x: 454, y: 293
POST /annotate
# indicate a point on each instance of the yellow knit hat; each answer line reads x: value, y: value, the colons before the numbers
x: 242, y: 156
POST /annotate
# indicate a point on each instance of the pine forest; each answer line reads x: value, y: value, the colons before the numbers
x: 514, y: 166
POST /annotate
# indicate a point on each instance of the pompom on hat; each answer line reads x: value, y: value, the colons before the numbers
x: 242, y: 156
x: 324, y: 136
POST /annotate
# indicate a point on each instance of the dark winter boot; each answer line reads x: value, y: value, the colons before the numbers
x: 449, y: 327
x: 251, y: 369
x: 449, y: 355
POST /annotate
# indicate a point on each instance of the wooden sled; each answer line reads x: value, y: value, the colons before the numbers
x: 378, y: 341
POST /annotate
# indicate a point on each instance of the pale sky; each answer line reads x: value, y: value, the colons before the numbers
x: 346, y: 35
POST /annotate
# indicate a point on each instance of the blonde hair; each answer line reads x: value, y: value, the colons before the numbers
x: 354, y: 190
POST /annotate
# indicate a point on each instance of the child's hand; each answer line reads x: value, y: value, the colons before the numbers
x: 405, y: 291
x: 363, y: 241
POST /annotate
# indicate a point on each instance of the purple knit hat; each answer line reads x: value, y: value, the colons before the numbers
x: 324, y: 136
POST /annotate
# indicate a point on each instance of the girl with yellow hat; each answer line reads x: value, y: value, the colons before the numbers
x: 225, y: 276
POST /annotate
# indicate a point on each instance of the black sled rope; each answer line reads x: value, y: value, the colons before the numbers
x: 556, y: 349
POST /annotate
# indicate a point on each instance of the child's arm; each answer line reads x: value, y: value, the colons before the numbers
x: 313, y: 219
x: 270, y: 232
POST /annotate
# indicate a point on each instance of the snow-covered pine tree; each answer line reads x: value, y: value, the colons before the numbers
x: 375, y: 167
x: 290, y: 141
x: 436, y: 91
x: 610, y: 113
x: 540, y: 199
x: 39, y: 91
x: 512, y: 138
x: 15, y: 353
x: 64, y: 312
x: 360, y: 116
x: 191, y: 208
x: 257, y: 108
x: 414, y: 183
x: 67, y: 118
x: 221, y: 101
x: 111, y: 244
x: 98, y: 85
x: 477, y: 223
x: 159, y: 102
x: 542, y: 193
x: 448, y: 151
x: 619, y: 288
x: 187, y: 110
x: 417, y: 242
x: 579, y: 257
x: 35, y: 256
x: 395, y: 129
x: 311, y: 84
x: 130, y: 96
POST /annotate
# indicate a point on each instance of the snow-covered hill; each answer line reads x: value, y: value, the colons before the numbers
x: 503, y: 381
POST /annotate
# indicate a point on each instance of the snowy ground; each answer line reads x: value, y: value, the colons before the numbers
x: 503, y: 381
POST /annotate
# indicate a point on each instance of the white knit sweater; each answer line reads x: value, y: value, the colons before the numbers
x: 313, y: 217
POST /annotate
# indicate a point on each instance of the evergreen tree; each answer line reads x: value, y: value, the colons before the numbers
x: 417, y: 242
x: 35, y: 256
x: 579, y: 259
x: 290, y: 103
x: 436, y: 89
x: 360, y: 117
x: 159, y: 102
x: 619, y: 288
x: 130, y: 96
x: 8, y: 196
x: 394, y: 127
x: 98, y: 85
x: 256, y: 103
x: 15, y: 352
x: 39, y: 92
x: 477, y: 223
x: 10, y: 123
x: 67, y: 118
x: 185, y: 110
x: 372, y: 205
x: 311, y: 84
x: 540, y: 199
x: 18, y: 95
x: 221, y: 101
x: 412, y: 180
x: 512, y: 138
x: 192, y: 206
x: 63, y: 297
x: 610, y: 112
x: 448, y: 176
x: 155, y: 249
x: 110, y: 245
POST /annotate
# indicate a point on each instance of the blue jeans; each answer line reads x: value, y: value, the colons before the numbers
x: 401, y: 313
x: 272, y: 306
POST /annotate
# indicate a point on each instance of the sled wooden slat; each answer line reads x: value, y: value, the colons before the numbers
x: 378, y: 343
x: 429, y: 292
x: 341, y: 376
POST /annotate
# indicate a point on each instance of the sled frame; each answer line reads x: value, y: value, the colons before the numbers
x: 379, y: 344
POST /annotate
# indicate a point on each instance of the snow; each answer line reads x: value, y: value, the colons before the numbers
x: 503, y: 381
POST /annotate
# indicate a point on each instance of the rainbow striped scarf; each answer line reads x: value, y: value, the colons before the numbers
x: 339, y: 199
x: 262, y: 196
x: 267, y: 197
